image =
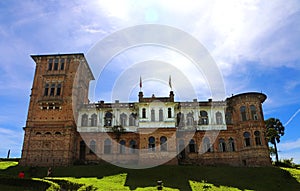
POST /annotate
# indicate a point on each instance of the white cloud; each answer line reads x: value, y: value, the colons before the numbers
x: 289, y: 145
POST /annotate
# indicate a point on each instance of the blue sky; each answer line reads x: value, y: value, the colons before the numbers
x: 256, y: 45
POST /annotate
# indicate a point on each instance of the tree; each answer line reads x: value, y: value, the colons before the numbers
x: 118, y: 130
x: 275, y: 130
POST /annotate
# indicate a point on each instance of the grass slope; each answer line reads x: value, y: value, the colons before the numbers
x: 177, y: 177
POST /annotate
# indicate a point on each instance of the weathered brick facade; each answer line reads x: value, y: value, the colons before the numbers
x: 63, y: 128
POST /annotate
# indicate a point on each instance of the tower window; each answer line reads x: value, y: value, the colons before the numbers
x: 132, y: 119
x: 257, y: 138
x: 203, y: 118
x: 143, y: 113
x: 94, y: 120
x: 163, y: 143
x: 192, y: 146
x: 247, y: 139
x: 151, y: 144
x: 84, y: 120
x: 46, y: 91
x: 219, y: 118
x: 58, y: 89
x: 123, y: 119
x: 62, y: 64
x: 161, y: 115
x: 253, y: 112
x: 231, y: 144
x: 108, y: 119
x: 50, y: 63
x: 52, y: 89
x: 222, y: 145
x: 55, y: 64
x: 152, y: 115
x: 243, y: 113
x: 169, y: 112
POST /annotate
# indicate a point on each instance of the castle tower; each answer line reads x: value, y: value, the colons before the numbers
x: 60, y: 87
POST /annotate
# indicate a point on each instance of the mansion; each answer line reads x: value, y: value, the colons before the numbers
x: 64, y: 128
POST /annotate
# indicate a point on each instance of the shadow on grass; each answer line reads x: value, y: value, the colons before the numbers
x: 260, y: 178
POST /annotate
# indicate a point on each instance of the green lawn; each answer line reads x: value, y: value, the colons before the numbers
x: 109, y: 177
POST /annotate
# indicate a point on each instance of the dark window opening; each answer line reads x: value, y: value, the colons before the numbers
x: 231, y: 144
x: 243, y: 113
x: 46, y: 90
x: 92, y: 147
x: 108, y: 119
x: 132, y: 146
x: 203, y: 118
x: 52, y: 89
x: 222, y: 145
x: 163, y: 143
x: 169, y: 113
x: 247, y: 139
x: 253, y: 112
x: 58, y: 90
x: 143, y: 113
x: 257, y: 138
x: 50, y: 62
x: 55, y: 64
x: 206, y: 145
x: 192, y: 146
x: 132, y: 119
x: 151, y: 144
x: 122, y: 146
x: 62, y: 64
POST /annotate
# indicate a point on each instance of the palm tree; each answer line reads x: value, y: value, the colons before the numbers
x: 275, y: 130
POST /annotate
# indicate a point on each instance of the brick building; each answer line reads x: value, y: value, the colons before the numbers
x: 62, y: 127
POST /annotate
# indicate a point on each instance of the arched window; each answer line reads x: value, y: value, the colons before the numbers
x: 163, y: 143
x: 84, y: 120
x: 219, y: 118
x: 151, y: 144
x: 190, y: 119
x: 46, y: 90
x: 180, y: 119
x: 94, y: 120
x: 132, y: 146
x: 253, y: 112
x: 122, y: 146
x: 161, y: 115
x: 206, y: 145
x: 144, y: 113
x: 108, y: 119
x: 169, y: 112
x: 107, y: 146
x: 93, y: 146
x: 47, y: 133
x: 52, y: 89
x: 58, y: 89
x: 123, y: 119
x: 203, y: 119
x: 181, y: 149
x: 247, y: 139
x: 132, y: 118
x: 152, y: 115
x: 257, y: 138
x: 38, y: 133
x: 57, y: 133
x: 192, y: 146
x: 222, y: 145
x: 243, y: 113
x: 228, y: 117
x: 82, y: 148
x: 231, y: 144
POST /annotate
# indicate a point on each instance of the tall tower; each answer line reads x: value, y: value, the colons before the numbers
x: 60, y: 87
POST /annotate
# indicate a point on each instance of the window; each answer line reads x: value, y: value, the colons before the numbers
x: 84, y: 120
x: 92, y: 147
x: 222, y: 145
x: 169, y: 112
x: 219, y: 118
x: 94, y: 120
x: 107, y: 146
x: 161, y: 115
x: 231, y: 144
x: 180, y: 119
x: 257, y: 138
x: 192, y: 146
x: 123, y: 119
x: 163, y: 143
x: 190, y: 119
x: 108, y: 119
x: 247, y: 139
x: 46, y: 91
x: 132, y: 118
x: 151, y: 144
x: 55, y: 64
x: 206, y: 145
x: 132, y: 146
x: 253, y: 112
x: 144, y: 113
x: 47, y: 133
x: 52, y: 89
x: 38, y: 133
x: 62, y: 64
x: 122, y: 146
x: 50, y: 63
x: 203, y: 118
x: 243, y: 113
x: 57, y: 133
x: 228, y: 117
x: 58, y: 89
x: 152, y: 115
